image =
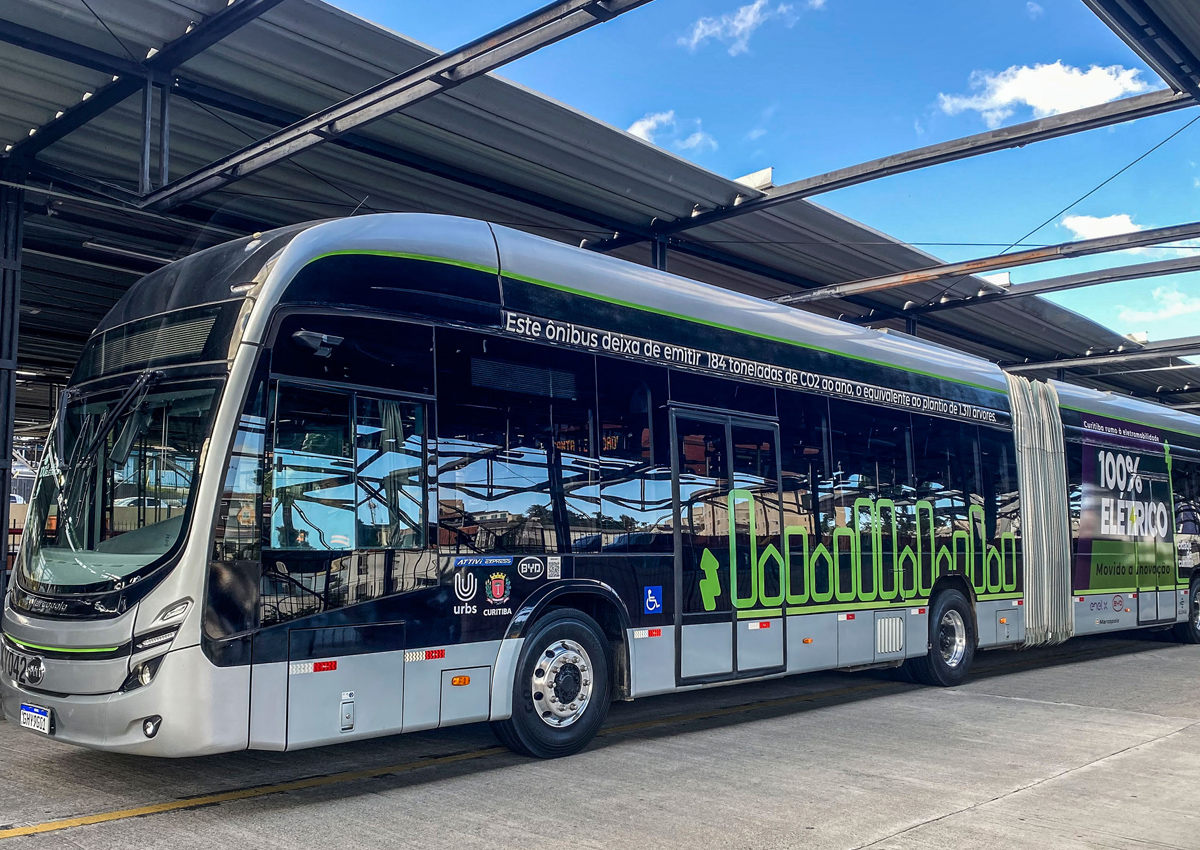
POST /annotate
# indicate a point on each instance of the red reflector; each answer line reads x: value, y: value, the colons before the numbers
x: 1135, y: 596
x: 655, y: 633
x: 1020, y: 601
x: 324, y: 666
x: 765, y: 624
x: 434, y: 654
x: 849, y: 616
x: 920, y: 610
x: 1081, y: 599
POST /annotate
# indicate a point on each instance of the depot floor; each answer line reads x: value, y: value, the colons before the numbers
x: 1094, y: 744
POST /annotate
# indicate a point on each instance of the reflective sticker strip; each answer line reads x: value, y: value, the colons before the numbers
x: 647, y: 633
x: 299, y: 668
x: 916, y: 611
x: 425, y: 655
x: 845, y: 617
x: 1016, y: 602
x: 764, y: 624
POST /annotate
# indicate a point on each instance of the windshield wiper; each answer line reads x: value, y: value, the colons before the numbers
x: 82, y: 462
x: 134, y: 395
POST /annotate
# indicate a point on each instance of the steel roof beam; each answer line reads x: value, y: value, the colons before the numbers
x: 68, y: 51
x: 205, y: 34
x: 546, y: 26
x: 1153, y: 40
x: 1136, y: 271
x: 1065, y: 250
x: 1018, y: 135
x: 1179, y: 347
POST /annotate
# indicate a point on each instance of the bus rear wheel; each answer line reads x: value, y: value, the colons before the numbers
x: 951, y: 642
x: 561, y: 693
x: 1189, y: 632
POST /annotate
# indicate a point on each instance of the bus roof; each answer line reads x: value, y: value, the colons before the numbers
x: 588, y: 274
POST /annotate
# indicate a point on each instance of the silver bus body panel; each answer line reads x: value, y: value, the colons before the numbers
x: 423, y: 707
x: 369, y: 686
x: 651, y: 661
x: 269, y: 706
x: 821, y: 652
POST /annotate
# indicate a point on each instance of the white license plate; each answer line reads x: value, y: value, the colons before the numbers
x: 36, y: 718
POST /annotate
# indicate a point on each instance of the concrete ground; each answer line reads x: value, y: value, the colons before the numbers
x: 1094, y: 744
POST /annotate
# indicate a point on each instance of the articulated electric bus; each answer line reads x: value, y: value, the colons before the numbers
x: 401, y: 472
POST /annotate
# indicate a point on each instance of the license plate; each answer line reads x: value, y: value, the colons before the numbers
x: 36, y: 718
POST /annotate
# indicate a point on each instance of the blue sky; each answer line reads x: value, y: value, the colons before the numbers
x: 807, y: 86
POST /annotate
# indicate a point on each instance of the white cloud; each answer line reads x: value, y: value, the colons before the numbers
x: 1196, y: 182
x: 1169, y: 303
x: 1097, y: 227
x: 1047, y: 89
x: 737, y: 27
x: 697, y: 141
x: 1034, y: 10
x: 646, y: 127
x: 758, y: 132
x: 816, y: 4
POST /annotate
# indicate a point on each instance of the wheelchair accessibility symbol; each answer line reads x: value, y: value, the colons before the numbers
x: 653, y: 599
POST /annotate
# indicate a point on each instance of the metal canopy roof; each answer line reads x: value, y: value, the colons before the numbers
x: 489, y: 149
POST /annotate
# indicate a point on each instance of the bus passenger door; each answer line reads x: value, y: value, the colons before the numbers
x: 728, y: 566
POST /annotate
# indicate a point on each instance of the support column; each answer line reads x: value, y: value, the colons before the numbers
x: 11, y: 209
x: 658, y: 253
x: 910, y: 325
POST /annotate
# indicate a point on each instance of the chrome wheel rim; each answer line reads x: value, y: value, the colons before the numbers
x: 561, y: 684
x: 952, y: 638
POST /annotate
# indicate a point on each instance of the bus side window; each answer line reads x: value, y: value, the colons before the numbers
x: 233, y: 577
x: 312, y: 478
x: 635, y: 459
x: 807, y: 490
x: 389, y: 474
x: 516, y: 456
x: 1185, y: 483
x: 1074, y: 452
x: 872, y: 492
x: 947, y: 473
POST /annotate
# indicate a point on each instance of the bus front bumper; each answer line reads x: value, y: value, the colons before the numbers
x: 203, y: 709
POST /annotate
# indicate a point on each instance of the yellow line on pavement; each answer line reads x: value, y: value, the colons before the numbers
x: 243, y: 794
x: 374, y: 772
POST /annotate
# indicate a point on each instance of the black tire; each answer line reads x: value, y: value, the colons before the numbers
x: 557, y: 652
x: 1189, y: 632
x: 951, y: 644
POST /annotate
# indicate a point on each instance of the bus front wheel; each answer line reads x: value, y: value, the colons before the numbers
x: 561, y: 693
x: 951, y: 642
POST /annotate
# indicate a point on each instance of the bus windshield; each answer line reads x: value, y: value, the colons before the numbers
x: 114, y: 487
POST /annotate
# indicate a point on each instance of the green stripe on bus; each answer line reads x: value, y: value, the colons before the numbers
x: 446, y: 261
x: 61, y: 649
x: 760, y: 613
